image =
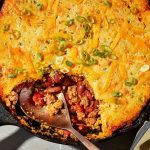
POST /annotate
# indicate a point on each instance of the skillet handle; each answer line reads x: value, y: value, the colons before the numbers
x: 5, y: 117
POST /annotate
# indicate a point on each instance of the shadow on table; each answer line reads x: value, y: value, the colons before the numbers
x: 14, y: 141
x: 121, y: 142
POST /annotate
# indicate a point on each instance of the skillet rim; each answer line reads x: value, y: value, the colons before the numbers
x: 144, y: 115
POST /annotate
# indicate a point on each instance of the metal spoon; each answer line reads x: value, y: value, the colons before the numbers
x: 60, y: 121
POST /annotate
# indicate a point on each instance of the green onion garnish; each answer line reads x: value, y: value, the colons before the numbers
x: 87, y: 60
x: 116, y: 94
x: 69, y: 63
x: 6, y: 27
x: 12, y: 75
x: 87, y: 28
x: 81, y: 19
x: 131, y: 82
x: 101, y: 54
x: 107, y: 3
x: 16, y: 34
x: 69, y: 22
x: 40, y: 6
x: 62, y: 45
x: 39, y: 56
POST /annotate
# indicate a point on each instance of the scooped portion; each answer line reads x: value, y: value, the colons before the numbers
x: 83, y: 107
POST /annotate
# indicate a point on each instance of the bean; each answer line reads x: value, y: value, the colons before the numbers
x: 67, y: 82
x: 54, y: 89
x: 88, y: 95
x: 58, y: 78
x: 80, y: 89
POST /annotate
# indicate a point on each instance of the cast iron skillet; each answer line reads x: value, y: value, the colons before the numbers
x: 6, y: 118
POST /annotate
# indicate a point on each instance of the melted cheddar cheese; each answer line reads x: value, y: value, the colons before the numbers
x: 106, y: 41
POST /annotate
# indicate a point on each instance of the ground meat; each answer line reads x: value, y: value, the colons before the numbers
x: 80, y: 115
x: 84, y: 102
x: 54, y: 108
x: 90, y: 121
x: 72, y: 94
x: 12, y: 99
x: 93, y: 114
x: 49, y: 98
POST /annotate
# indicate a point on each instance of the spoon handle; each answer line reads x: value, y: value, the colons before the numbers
x: 84, y: 141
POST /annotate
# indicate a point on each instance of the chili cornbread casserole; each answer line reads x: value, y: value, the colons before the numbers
x: 96, y: 51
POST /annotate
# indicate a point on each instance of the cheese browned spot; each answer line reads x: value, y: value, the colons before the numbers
x: 108, y: 50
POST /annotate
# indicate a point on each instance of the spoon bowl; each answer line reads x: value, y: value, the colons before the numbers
x: 39, y: 114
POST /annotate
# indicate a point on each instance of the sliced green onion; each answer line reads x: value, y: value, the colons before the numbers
x: 16, y: 34
x: 81, y: 19
x: 28, y: 12
x: 40, y: 6
x: 69, y: 22
x: 87, y: 28
x: 69, y: 63
x: 105, y: 47
x: 19, y: 70
x: 60, y: 38
x: 101, y: 54
x: 131, y: 82
x: 39, y: 56
x: 62, y: 45
x: 116, y: 94
x: 6, y: 27
x: 98, y: 53
x: 87, y: 60
x: 85, y: 56
x: 107, y: 3
x: 92, y: 61
x: 12, y: 75
x: 40, y: 72
x: 80, y: 42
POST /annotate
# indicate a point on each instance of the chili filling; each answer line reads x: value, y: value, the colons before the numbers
x: 82, y: 105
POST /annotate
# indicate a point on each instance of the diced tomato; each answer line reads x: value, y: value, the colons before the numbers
x: 66, y: 133
x: 79, y: 108
x: 58, y: 78
x: 38, y: 99
x: 48, y: 82
x: 89, y: 109
x: 88, y: 95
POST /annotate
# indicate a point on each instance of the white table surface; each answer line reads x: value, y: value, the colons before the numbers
x: 14, y: 138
